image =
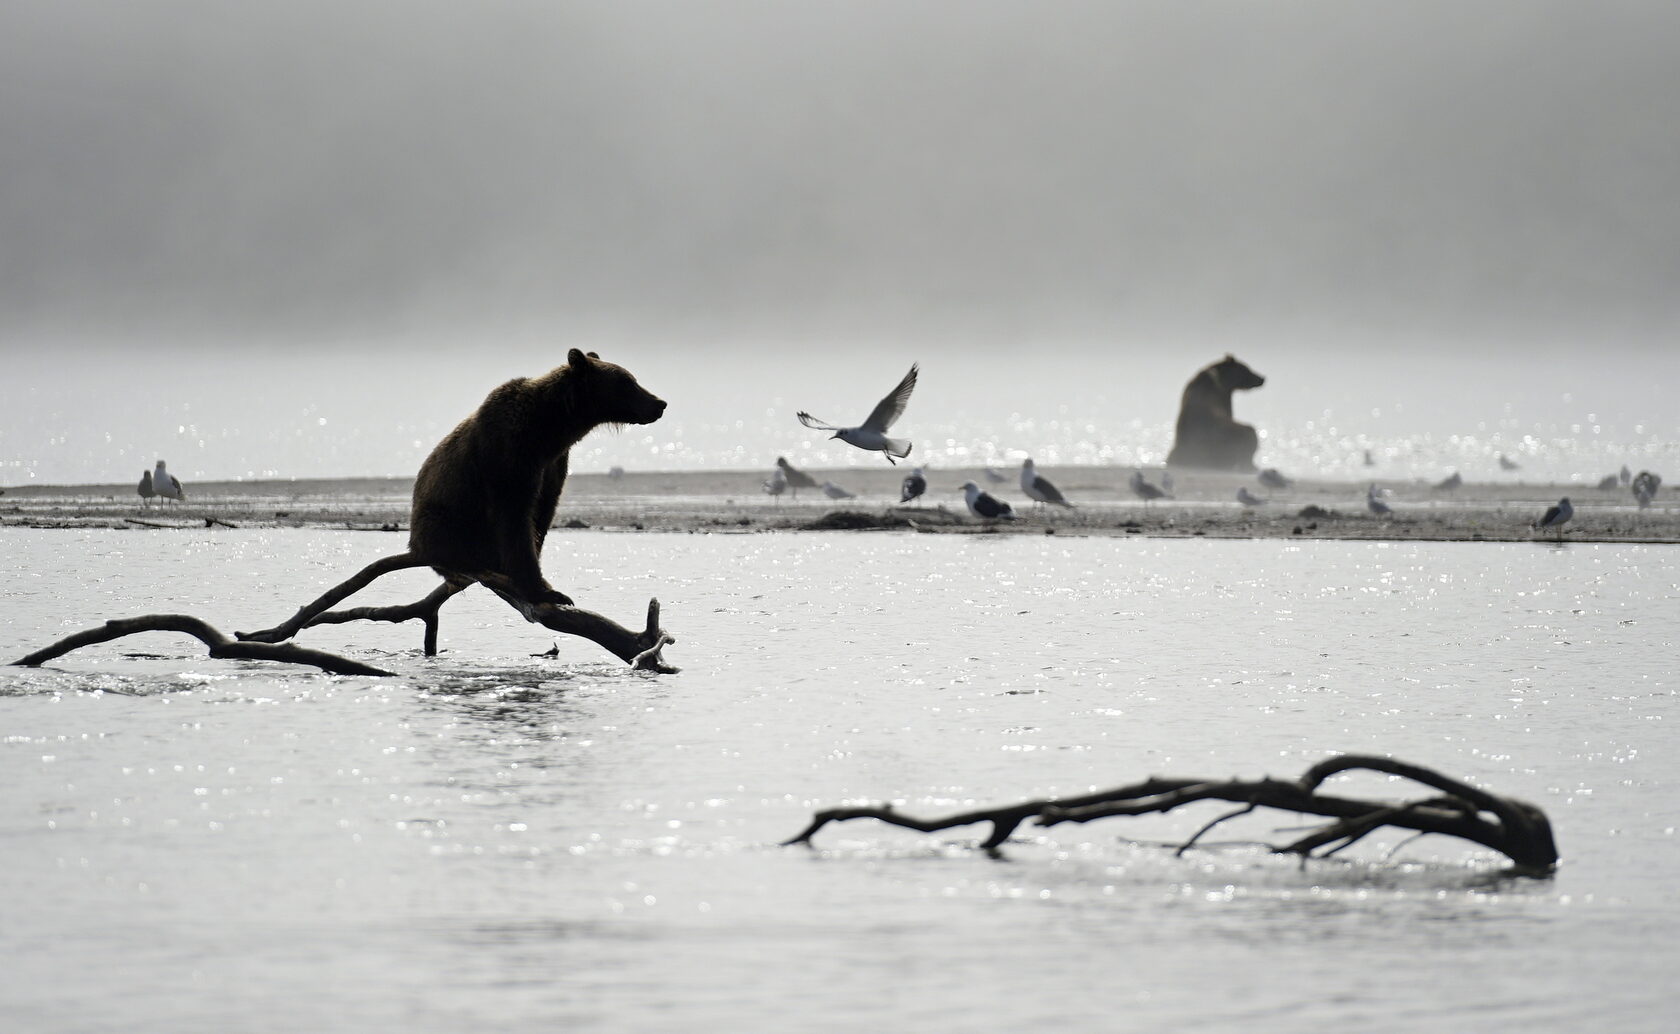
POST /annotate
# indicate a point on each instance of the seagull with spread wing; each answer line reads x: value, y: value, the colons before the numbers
x: 871, y: 435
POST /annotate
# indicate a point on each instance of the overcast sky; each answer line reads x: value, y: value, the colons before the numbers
x: 762, y: 170
x: 202, y: 200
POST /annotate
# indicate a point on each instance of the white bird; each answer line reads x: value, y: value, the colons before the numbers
x: 1555, y: 517
x: 145, y: 488
x: 1274, y: 480
x: 1144, y: 490
x: 1038, y: 488
x: 994, y: 477
x: 871, y: 435
x: 1374, y: 503
x: 834, y: 491
x: 776, y: 485
x: 166, y: 484
x: 984, y: 505
x: 1507, y: 463
x: 913, y: 487
x: 1247, y: 498
x: 795, y: 478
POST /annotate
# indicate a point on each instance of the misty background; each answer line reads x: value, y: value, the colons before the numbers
x: 303, y: 239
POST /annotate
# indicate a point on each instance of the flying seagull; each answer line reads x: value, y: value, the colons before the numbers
x: 834, y: 491
x: 871, y: 435
x: 1555, y: 517
x: 1144, y: 490
x: 1247, y: 498
x: 145, y: 487
x: 1038, y: 488
x: 1507, y: 463
x: 166, y: 484
x: 914, y: 485
x: 795, y: 478
x: 1374, y: 503
x: 984, y: 505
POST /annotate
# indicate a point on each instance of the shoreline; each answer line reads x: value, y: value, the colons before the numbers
x: 732, y: 502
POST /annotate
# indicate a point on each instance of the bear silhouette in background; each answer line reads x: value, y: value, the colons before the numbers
x: 485, y: 497
x: 1208, y: 436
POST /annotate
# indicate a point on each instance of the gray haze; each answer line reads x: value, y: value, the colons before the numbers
x: 303, y: 238
x: 731, y: 170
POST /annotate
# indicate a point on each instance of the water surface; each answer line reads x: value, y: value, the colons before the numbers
x: 494, y: 840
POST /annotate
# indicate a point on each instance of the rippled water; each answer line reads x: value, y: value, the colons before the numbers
x: 494, y: 840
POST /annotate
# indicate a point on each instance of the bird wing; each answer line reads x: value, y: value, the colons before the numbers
x: 1551, y: 515
x: 810, y: 421
x: 891, y: 408
x: 1051, y: 494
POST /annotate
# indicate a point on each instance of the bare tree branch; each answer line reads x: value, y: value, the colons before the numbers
x: 1517, y: 829
x: 641, y: 649
x: 220, y: 645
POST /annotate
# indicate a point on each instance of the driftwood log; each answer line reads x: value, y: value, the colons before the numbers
x: 1514, y: 828
x: 220, y: 645
x: 641, y: 649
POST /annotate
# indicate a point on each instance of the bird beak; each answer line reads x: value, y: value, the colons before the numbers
x: 834, y: 436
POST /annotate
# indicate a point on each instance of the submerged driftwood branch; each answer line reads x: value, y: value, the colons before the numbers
x: 641, y: 649
x: 220, y: 645
x: 1514, y: 828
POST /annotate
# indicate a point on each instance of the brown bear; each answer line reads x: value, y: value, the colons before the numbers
x: 485, y: 497
x: 1208, y: 436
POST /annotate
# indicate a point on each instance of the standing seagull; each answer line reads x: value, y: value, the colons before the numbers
x: 1247, y: 498
x: 776, y: 486
x: 1144, y: 490
x: 1555, y: 517
x: 795, y: 478
x: 1038, y: 488
x: 1374, y: 503
x: 871, y: 435
x: 1451, y: 483
x: 834, y: 491
x: 984, y: 505
x: 145, y: 488
x: 994, y: 477
x: 914, y: 485
x: 166, y: 484
x: 1645, y: 485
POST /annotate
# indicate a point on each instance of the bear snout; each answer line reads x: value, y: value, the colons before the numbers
x: 651, y: 409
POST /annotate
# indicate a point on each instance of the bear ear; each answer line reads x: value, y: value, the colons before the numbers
x: 576, y: 358
x: 594, y: 355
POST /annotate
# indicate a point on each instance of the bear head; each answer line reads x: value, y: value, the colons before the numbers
x: 608, y: 393
x: 1232, y: 374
